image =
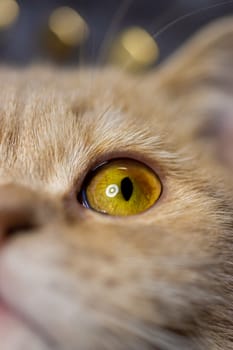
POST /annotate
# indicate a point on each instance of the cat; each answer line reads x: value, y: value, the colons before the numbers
x: 72, y: 278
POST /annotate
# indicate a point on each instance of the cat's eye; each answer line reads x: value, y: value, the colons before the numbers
x: 121, y: 187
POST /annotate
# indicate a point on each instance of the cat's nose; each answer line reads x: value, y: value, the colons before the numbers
x: 21, y: 210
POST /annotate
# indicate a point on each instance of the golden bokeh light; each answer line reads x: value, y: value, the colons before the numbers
x: 68, y: 26
x: 9, y: 12
x: 134, y: 49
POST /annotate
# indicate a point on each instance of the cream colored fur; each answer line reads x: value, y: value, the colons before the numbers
x: 78, y: 280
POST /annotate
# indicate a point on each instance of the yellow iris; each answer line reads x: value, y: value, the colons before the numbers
x: 122, y: 187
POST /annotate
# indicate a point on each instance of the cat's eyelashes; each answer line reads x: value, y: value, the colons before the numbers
x: 121, y: 187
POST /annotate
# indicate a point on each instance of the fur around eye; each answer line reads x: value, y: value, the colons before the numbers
x: 121, y: 187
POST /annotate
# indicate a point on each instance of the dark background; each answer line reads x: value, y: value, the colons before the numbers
x: 22, y: 43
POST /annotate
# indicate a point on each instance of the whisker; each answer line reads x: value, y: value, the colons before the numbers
x: 141, y: 78
x: 82, y: 55
x: 188, y: 15
x: 123, y: 9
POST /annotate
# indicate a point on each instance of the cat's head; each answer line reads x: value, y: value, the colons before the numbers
x: 73, y: 278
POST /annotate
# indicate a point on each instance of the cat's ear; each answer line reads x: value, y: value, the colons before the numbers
x: 199, y: 77
x: 206, y: 58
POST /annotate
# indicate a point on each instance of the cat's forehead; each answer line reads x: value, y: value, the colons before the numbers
x: 50, y: 93
x: 54, y: 126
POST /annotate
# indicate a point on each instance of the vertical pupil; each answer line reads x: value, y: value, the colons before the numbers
x: 126, y: 188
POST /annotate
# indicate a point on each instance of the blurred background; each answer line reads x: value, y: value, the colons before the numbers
x: 132, y: 33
